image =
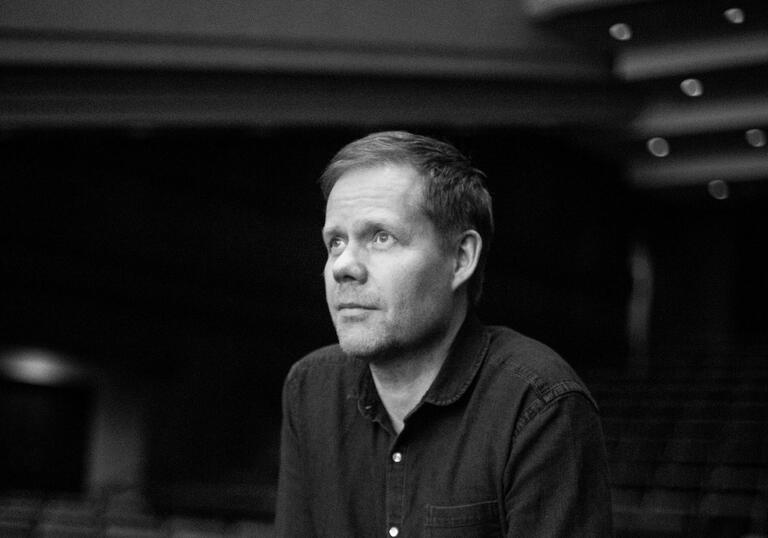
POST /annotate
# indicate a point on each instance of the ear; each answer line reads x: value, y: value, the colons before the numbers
x: 467, y: 255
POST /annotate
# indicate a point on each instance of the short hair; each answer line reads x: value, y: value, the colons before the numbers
x: 455, y: 197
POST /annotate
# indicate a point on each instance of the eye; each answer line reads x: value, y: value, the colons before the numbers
x: 335, y: 245
x: 383, y: 239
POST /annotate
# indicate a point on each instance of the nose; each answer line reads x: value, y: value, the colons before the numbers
x: 349, y: 266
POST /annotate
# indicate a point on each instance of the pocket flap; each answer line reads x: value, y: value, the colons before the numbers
x: 462, y: 515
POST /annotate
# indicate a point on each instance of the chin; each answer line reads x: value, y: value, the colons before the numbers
x: 363, y: 346
x: 360, y: 350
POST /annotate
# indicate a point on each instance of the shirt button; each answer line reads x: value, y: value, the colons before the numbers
x: 394, y: 531
x: 397, y: 457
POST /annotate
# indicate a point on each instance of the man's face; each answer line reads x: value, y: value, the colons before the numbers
x: 387, y: 277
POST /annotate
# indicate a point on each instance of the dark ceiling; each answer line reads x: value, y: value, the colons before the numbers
x: 699, y: 74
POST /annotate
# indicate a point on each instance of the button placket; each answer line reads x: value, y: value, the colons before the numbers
x: 395, y: 491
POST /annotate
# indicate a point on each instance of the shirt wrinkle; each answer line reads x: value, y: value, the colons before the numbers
x: 544, y: 400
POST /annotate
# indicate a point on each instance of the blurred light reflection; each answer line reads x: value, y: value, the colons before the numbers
x: 38, y: 367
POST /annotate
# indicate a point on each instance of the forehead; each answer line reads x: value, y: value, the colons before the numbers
x: 388, y: 188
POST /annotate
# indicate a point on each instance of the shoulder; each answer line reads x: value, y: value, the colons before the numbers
x: 319, y: 358
x: 323, y: 368
x: 531, y: 366
x: 318, y: 392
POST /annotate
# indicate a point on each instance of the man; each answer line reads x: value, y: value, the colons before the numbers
x: 421, y: 421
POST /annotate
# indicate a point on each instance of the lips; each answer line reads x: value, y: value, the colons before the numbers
x: 353, y: 306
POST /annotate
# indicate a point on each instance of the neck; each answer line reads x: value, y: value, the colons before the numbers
x: 404, y: 380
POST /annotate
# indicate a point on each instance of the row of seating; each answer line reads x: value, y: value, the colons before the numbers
x: 27, y: 516
x: 688, y: 456
x: 688, y: 448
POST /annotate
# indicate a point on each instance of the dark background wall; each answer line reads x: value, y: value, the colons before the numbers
x: 710, y: 271
x: 45, y: 437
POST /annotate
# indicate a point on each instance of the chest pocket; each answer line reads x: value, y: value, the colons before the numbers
x: 463, y: 521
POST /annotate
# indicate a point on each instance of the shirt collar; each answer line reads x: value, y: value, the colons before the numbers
x: 457, y: 373
x: 460, y: 367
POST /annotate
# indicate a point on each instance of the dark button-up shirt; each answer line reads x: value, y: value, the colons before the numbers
x: 506, y: 442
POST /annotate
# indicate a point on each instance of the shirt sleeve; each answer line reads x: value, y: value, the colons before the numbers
x: 557, y: 473
x: 292, y: 514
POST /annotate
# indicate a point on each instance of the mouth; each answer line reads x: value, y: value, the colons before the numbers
x: 353, y: 306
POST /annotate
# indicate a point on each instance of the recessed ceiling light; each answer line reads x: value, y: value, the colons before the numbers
x: 755, y: 138
x: 620, y: 31
x: 718, y: 189
x: 692, y: 87
x: 658, y: 147
x: 734, y: 15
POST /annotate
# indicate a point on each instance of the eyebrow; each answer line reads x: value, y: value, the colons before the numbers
x: 329, y: 231
x: 363, y: 227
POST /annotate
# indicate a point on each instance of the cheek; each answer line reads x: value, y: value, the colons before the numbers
x: 327, y: 273
x: 329, y: 281
x: 422, y: 286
